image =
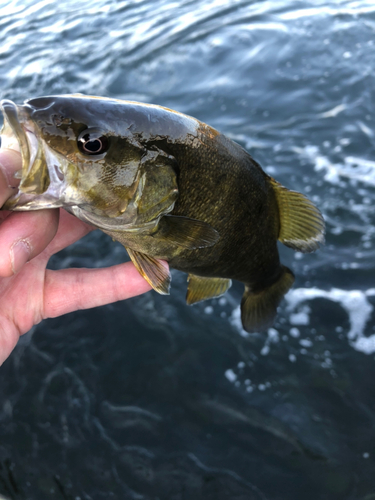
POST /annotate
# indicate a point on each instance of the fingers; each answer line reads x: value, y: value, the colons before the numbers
x: 23, y: 236
x: 8, y: 339
x: 71, y: 289
x: 70, y: 230
x: 10, y: 162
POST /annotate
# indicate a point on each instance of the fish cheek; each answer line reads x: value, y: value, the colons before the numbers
x: 110, y: 182
x: 120, y: 174
x: 119, y: 184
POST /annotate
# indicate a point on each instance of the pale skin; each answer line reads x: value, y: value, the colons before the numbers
x: 29, y: 292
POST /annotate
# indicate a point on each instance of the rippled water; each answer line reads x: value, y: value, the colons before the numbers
x: 151, y: 399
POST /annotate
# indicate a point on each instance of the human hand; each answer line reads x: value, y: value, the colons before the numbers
x: 28, y: 291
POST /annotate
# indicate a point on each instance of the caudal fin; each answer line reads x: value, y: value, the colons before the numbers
x: 258, y: 309
x: 301, y: 223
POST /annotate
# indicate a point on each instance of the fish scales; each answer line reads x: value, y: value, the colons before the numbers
x: 222, y: 185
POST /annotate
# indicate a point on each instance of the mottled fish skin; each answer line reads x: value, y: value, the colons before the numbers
x: 219, y: 183
x: 170, y: 187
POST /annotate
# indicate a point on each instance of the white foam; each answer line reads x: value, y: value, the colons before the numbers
x: 354, y: 302
x: 235, y: 320
x: 300, y: 318
x: 355, y: 168
x: 272, y: 337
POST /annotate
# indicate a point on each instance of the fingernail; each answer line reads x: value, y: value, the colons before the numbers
x: 19, y: 254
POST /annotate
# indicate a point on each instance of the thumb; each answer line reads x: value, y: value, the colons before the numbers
x: 10, y: 163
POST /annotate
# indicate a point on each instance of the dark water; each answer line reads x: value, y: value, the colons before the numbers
x: 151, y: 399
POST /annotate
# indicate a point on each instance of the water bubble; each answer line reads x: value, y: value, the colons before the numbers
x: 306, y: 342
x: 294, y: 332
x: 231, y: 376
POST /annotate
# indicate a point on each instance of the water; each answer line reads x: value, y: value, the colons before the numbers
x: 151, y: 399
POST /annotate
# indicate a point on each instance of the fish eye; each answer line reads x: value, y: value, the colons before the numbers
x: 92, y: 142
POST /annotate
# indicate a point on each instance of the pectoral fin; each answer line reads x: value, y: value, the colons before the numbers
x: 301, y: 223
x: 200, y: 288
x: 258, y: 309
x: 185, y: 232
x: 152, y: 271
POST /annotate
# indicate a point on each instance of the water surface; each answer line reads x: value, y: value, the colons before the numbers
x: 151, y: 399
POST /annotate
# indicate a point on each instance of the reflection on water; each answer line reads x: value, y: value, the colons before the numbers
x: 153, y: 399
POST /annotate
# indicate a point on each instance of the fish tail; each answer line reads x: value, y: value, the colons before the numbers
x: 258, y: 309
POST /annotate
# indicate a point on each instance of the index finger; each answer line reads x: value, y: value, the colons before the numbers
x: 10, y: 163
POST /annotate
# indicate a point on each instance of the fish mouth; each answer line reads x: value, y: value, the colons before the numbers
x: 41, y: 178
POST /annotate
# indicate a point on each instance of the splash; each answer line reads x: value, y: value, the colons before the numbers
x: 354, y: 302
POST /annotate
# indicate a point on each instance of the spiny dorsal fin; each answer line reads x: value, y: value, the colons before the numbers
x: 258, y: 309
x: 185, y: 232
x: 200, y: 288
x: 152, y: 271
x: 301, y: 223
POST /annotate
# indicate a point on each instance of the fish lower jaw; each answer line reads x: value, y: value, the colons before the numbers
x: 23, y: 202
x: 57, y: 195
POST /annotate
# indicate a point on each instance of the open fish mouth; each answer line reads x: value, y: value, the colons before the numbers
x: 41, y: 178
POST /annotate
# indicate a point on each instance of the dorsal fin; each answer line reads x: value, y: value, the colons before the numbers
x: 301, y: 223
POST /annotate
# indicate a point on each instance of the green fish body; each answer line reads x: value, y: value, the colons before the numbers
x: 166, y: 186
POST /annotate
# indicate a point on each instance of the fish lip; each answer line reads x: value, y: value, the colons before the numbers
x: 13, y: 134
x: 19, y: 134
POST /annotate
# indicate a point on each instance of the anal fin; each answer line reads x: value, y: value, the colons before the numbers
x: 152, y: 271
x: 258, y: 309
x: 200, y: 288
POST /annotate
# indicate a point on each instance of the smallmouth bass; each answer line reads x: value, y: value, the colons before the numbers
x: 166, y: 186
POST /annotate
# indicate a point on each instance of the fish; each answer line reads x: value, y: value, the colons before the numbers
x: 167, y: 187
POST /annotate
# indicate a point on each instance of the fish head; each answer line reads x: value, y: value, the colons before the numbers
x: 81, y: 153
